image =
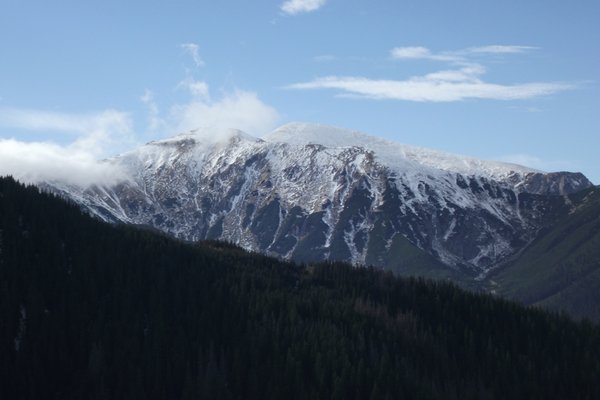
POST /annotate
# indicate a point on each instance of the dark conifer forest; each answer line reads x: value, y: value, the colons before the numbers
x: 94, y: 311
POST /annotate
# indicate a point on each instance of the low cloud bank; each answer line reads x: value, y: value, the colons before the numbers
x: 74, y: 163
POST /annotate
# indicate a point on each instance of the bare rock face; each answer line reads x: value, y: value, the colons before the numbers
x: 555, y: 183
x: 310, y: 193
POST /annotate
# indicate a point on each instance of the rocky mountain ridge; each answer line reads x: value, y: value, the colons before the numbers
x: 311, y: 192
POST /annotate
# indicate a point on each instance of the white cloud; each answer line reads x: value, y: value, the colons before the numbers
x: 194, y: 51
x: 238, y: 109
x: 74, y: 163
x: 437, y: 87
x: 198, y: 89
x: 457, y: 56
x: 293, y: 7
x: 468, y: 73
x: 420, y: 53
x: 235, y: 109
x: 36, y: 162
x: 94, y: 131
x: 499, y: 49
x: 464, y: 80
x: 412, y: 52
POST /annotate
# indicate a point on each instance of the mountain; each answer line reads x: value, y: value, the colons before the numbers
x: 560, y: 269
x: 311, y: 193
x: 91, y: 310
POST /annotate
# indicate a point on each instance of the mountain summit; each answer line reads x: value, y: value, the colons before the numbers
x: 311, y: 192
x: 400, y: 157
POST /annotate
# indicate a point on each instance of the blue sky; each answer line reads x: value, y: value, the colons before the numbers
x: 510, y: 80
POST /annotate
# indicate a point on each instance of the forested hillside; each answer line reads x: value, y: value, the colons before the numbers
x: 560, y: 270
x: 93, y: 311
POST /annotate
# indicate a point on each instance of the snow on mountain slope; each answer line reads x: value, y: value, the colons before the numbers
x: 403, y: 158
x: 310, y: 192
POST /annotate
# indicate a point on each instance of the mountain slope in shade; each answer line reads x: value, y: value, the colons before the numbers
x: 561, y: 268
x: 312, y: 193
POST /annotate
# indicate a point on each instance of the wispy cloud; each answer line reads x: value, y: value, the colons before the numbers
x: 455, y: 56
x: 293, y: 7
x: 461, y: 81
x: 499, y: 49
x: 73, y: 163
x: 92, y: 131
x: 198, y: 89
x: 418, y: 52
x: 430, y: 88
x: 194, y: 51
